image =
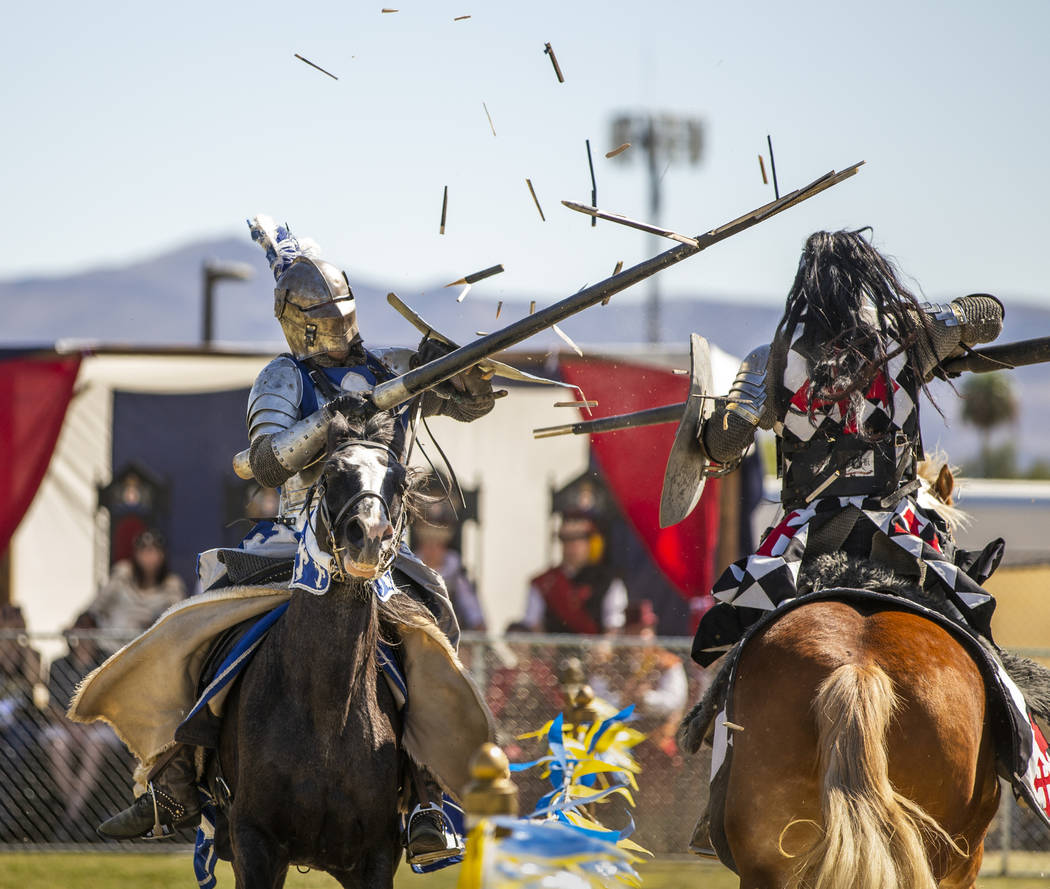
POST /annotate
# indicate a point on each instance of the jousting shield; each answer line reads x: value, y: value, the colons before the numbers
x: 684, y: 477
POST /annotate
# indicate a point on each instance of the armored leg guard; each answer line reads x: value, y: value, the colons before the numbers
x: 170, y: 802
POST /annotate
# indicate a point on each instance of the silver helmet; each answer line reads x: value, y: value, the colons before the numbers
x: 316, y: 307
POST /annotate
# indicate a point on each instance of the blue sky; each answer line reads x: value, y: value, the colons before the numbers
x: 133, y: 127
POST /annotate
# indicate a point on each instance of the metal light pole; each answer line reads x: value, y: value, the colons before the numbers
x: 664, y: 138
x: 215, y: 270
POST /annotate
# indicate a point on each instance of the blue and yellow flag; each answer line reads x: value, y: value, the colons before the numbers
x: 561, y: 845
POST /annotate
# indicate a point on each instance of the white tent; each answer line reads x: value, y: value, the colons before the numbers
x: 59, y: 552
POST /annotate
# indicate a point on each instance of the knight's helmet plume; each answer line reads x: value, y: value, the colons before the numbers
x: 312, y: 298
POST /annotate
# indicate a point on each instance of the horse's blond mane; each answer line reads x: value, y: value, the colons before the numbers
x: 938, y: 479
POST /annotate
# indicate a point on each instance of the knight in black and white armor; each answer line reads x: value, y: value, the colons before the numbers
x: 839, y: 385
x: 290, y: 407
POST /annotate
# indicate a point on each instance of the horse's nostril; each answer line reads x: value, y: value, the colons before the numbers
x: 355, y: 535
x: 388, y: 532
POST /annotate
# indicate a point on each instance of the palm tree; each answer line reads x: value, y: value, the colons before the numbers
x: 988, y: 402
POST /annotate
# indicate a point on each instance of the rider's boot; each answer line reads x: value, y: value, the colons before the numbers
x: 429, y: 835
x: 701, y: 843
x: 170, y: 802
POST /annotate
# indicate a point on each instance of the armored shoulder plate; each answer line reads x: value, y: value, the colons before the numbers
x: 274, y: 401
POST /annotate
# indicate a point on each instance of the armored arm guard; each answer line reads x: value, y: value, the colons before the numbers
x: 282, y: 444
x: 728, y: 432
x: 275, y: 457
x: 965, y: 321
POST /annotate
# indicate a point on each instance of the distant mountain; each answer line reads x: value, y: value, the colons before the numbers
x: 158, y: 302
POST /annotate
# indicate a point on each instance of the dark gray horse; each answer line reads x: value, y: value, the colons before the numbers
x: 310, y: 745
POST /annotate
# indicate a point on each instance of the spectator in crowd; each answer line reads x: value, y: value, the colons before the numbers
x: 82, y: 656
x: 432, y: 536
x: 21, y: 785
x: 654, y: 679
x: 20, y: 674
x: 139, y: 589
x: 75, y: 752
x: 581, y: 594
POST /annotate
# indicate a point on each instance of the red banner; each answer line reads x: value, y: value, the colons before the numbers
x: 633, y: 461
x: 34, y: 395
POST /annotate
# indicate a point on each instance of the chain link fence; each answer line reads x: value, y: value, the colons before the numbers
x: 58, y: 779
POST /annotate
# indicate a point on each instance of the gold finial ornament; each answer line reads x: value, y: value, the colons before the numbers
x: 583, y: 711
x: 491, y: 790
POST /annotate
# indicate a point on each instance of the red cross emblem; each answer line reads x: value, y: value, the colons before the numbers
x: 1042, y: 784
x: 1042, y: 781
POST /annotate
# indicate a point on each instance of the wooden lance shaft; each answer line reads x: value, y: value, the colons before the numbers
x: 394, y: 392
x: 987, y: 360
x: 1002, y: 357
x: 668, y: 413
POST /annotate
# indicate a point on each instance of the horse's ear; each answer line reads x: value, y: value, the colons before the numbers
x: 338, y: 431
x: 944, y: 485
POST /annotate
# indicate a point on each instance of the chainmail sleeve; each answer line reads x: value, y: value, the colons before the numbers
x: 266, y: 468
x: 965, y: 321
x: 726, y: 435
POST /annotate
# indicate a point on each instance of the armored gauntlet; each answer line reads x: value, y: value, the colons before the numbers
x: 465, y: 397
x: 731, y: 428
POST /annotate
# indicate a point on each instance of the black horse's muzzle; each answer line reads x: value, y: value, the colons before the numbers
x: 364, y: 543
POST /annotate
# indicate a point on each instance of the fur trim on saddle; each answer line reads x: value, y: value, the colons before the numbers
x: 840, y: 571
x: 837, y: 570
x: 1031, y: 678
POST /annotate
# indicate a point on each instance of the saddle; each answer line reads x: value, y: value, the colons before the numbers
x: 249, y: 569
x: 201, y: 728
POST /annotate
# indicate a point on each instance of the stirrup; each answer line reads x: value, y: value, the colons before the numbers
x: 158, y: 831
x: 453, y: 841
x: 702, y: 851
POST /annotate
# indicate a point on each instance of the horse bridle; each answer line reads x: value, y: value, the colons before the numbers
x: 336, y: 571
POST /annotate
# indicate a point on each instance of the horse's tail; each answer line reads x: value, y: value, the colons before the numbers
x: 873, y: 837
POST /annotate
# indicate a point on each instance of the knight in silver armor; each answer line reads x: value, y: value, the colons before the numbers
x: 290, y: 407
x: 296, y: 395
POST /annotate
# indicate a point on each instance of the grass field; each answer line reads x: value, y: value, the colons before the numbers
x: 92, y: 870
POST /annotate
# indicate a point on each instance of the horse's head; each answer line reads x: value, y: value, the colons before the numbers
x: 364, y: 490
x: 937, y: 487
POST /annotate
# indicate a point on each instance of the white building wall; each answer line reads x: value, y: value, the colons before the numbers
x: 515, y: 474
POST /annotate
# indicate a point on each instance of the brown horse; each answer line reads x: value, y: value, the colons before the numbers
x: 866, y: 759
